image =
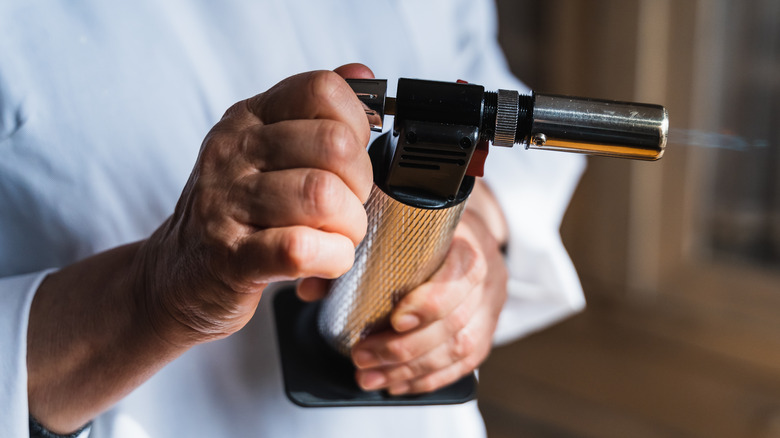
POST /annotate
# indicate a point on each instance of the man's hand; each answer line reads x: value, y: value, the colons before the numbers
x: 276, y: 193
x: 443, y: 329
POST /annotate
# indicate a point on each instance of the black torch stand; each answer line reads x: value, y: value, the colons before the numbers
x: 317, y: 376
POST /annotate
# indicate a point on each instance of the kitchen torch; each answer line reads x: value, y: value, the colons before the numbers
x: 424, y: 170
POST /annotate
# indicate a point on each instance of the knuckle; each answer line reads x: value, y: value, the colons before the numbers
x: 312, y: 192
x: 205, y: 206
x: 422, y: 367
x: 338, y: 142
x: 399, y: 351
x: 245, y: 141
x: 325, y: 84
x: 236, y: 110
x: 463, y: 346
x: 249, y: 188
x: 298, y: 249
x: 428, y: 383
x: 319, y: 193
x: 216, y: 150
x: 433, y: 305
x: 459, y: 318
x: 403, y: 373
x: 216, y: 238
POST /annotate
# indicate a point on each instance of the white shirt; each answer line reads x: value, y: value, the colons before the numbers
x: 103, y: 106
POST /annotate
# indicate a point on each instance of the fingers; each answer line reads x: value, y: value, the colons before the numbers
x: 433, y: 381
x: 453, y: 358
x: 390, y: 348
x: 432, y: 312
x: 276, y: 194
x: 289, y: 158
x: 436, y: 370
x: 309, y: 197
x: 289, y: 253
x: 320, y: 144
x: 463, y: 269
x: 312, y: 95
x: 457, y: 312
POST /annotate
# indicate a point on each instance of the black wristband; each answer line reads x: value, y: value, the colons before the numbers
x: 37, y: 430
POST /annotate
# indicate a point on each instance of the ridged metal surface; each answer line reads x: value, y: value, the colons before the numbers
x: 403, y: 247
x: 506, y: 118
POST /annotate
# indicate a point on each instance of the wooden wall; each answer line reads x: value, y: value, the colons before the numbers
x: 670, y: 345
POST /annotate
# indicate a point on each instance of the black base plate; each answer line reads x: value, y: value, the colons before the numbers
x: 317, y: 376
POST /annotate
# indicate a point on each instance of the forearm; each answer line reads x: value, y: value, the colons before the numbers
x: 89, y: 340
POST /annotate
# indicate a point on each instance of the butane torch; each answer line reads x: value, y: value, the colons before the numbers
x: 424, y: 170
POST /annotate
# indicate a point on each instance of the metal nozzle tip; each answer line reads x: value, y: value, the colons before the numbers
x: 599, y: 127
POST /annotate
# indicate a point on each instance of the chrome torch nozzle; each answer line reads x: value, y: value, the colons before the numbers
x: 540, y: 121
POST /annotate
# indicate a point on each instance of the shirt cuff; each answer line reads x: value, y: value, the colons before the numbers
x: 16, y: 295
x: 37, y: 430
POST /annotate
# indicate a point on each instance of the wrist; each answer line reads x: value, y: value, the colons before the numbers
x: 88, y: 344
x: 158, y: 301
x: 181, y: 296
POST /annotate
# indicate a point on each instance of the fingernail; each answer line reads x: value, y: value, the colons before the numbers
x: 372, y: 380
x: 364, y: 359
x: 406, y: 322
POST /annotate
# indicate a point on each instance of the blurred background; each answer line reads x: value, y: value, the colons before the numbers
x: 679, y: 259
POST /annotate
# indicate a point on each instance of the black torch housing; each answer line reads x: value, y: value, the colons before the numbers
x: 437, y: 127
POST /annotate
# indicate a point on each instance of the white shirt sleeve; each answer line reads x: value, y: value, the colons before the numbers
x: 16, y: 294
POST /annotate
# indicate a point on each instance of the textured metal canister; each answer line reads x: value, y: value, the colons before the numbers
x: 403, y: 247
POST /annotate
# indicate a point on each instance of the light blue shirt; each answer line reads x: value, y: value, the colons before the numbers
x: 103, y: 106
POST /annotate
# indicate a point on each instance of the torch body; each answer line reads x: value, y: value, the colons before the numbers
x: 404, y: 245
